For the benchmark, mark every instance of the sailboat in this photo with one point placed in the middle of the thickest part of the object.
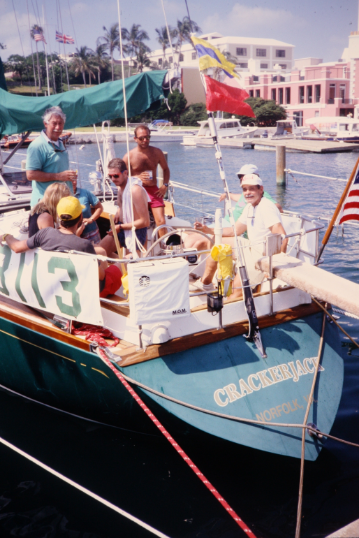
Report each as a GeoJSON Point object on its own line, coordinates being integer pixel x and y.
{"type": "Point", "coordinates": [196, 365]}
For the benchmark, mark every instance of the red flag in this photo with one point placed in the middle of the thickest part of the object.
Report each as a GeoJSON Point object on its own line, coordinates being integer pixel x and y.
{"type": "Point", "coordinates": [219, 96]}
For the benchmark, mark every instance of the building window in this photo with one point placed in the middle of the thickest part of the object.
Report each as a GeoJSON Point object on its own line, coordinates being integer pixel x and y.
{"type": "Point", "coordinates": [264, 66]}
{"type": "Point", "coordinates": [309, 94]}
{"type": "Point", "coordinates": [244, 65]}
{"type": "Point", "coordinates": [181, 58]}
{"type": "Point", "coordinates": [170, 59]}
{"type": "Point", "coordinates": [287, 96]}
{"type": "Point", "coordinates": [241, 51]}
{"type": "Point", "coordinates": [250, 93]}
{"type": "Point", "coordinates": [342, 92]}
{"type": "Point", "coordinates": [280, 96]}
{"type": "Point", "coordinates": [317, 93]}
{"type": "Point", "coordinates": [316, 114]}
{"type": "Point", "coordinates": [159, 61]}
{"type": "Point", "coordinates": [283, 66]}
{"type": "Point", "coordinates": [261, 52]}
{"type": "Point", "coordinates": [258, 93]}
{"type": "Point", "coordinates": [280, 53]}
{"type": "Point", "coordinates": [298, 117]}
{"type": "Point", "coordinates": [274, 94]}
{"type": "Point", "coordinates": [194, 55]}
{"type": "Point", "coordinates": [332, 92]}
{"type": "Point", "coordinates": [301, 94]}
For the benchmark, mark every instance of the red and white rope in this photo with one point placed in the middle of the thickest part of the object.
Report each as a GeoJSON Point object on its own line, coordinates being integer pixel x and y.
{"type": "Point", "coordinates": [176, 446]}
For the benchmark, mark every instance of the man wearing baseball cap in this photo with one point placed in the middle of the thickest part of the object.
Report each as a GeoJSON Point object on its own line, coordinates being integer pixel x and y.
{"type": "Point", "coordinates": [69, 211]}
{"type": "Point", "coordinates": [260, 218]}
{"type": "Point", "coordinates": [239, 198]}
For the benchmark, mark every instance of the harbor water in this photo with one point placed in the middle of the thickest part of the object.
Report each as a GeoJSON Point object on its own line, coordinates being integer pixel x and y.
{"type": "Point", "coordinates": [142, 474]}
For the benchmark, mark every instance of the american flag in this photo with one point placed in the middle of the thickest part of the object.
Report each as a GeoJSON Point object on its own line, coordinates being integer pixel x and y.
{"type": "Point", "coordinates": [62, 38]}
{"type": "Point", "coordinates": [350, 208]}
{"type": "Point", "coordinates": [39, 37]}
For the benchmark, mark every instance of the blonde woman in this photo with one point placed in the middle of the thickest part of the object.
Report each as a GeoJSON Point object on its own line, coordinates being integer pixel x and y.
{"type": "Point", "coordinates": [43, 214]}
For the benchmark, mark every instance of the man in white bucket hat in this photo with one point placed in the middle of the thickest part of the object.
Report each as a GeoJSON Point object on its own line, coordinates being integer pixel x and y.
{"type": "Point", "coordinates": [259, 219]}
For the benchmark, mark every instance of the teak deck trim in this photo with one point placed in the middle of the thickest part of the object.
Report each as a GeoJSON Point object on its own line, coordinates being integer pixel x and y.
{"type": "Point", "coordinates": [132, 355]}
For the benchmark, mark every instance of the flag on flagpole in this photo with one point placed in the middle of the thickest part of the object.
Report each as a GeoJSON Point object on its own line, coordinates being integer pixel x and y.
{"type": "Point", "coordinates": [63, 38]}
{"type": "Point", "coordinates": [219, 96]}
{"type": "Point", "coordinates": [350, 207]}
{"type": "Point", "coordinates": [209, 56]}
{"type": "Point", "coordinates": [38, 36]}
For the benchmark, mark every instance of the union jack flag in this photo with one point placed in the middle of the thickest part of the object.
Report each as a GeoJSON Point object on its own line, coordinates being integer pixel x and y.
{"type": "Point", "coordinates": [350, 208]}
{"type": "Point", "coordinates": [38, 36]}
{"type": "Point", "coordinates": [62, 38]}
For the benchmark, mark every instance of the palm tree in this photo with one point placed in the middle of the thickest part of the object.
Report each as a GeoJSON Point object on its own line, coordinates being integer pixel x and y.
{"type": "Point", "coordinates": [185, 28]}
{"type": "Point", "coordinates": [36, 29]}
{"type": "Point", "coordinates": [135, 38]}
{"type": "Point", "coordinates": [82, 63]}
{"type": "Point", "coordinates": [163, 38]}
{"type": "Point", "coordinates": [18, 64]}
{"type": "Point", "coordinates": [142, 60]}
{"type": "Point", "coordinates": [111, 40]}
{"type": "Point", "coordinates": [100, 59]}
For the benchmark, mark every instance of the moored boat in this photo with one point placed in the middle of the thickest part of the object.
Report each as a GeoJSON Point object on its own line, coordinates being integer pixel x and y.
{"type": "Point", "coordinates": [226, 128]}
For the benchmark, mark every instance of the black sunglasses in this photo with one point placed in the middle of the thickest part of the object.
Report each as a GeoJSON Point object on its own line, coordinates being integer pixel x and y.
{"type": "Point", "coordinates": [57, 150]}
{"type": "Point", "coordinates": [114, 176]}
{"type": "Point", "coordinates": [142, 138]}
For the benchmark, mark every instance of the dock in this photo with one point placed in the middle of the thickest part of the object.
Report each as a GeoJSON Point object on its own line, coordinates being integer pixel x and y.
{"type": "Point", "coordinates": [291, 144]}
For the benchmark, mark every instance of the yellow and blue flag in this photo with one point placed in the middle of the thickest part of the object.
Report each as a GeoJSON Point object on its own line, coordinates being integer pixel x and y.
{"type": "Point", "coordinates": [209, 56]}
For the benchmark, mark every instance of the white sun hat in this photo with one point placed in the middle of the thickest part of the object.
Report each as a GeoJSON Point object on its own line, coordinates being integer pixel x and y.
{"type": "Point", "coordinates": [248, 169]}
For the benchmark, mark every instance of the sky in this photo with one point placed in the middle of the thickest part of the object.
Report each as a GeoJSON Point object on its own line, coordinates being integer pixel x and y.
{"type": "Point", "coordinates": [317, 28]}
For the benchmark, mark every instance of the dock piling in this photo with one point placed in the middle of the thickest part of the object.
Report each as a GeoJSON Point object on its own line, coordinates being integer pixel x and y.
{"type": "Point", "coordinates": [280, 165]}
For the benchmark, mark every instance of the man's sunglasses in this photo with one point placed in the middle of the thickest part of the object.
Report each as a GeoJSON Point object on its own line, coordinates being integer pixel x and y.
{"type": "Point", "coordinates": [57, 150]}
{"type": "Point", "coordinates": [114, 176]}
{"type": "Point", "coordinates": [142, 138]}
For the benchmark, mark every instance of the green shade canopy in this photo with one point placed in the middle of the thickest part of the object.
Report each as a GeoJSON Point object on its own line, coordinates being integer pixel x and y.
{"type": "Point", "coordinates": [2, 77]}
{"type": "Point", "coordinates": [82, 107]}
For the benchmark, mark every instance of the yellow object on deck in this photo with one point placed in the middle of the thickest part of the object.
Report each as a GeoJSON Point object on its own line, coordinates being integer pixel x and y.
{"type": "Point", "coordinates": [223, 255]}
{"type": "Point", "coordinates": [125, 285]}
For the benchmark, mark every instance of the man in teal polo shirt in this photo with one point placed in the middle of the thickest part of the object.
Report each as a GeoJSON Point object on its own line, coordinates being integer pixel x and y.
{"type": "Point", "coordinates": [47, 159]}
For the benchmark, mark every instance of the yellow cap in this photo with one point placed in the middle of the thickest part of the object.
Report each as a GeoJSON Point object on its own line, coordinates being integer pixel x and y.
{"type": "Point", "coordinates": [69, 208]}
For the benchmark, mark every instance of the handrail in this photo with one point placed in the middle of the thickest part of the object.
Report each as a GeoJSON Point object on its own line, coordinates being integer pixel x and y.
{"type": "Point", "coordinates": [313, 175]}
{"type": "Point", "coordinates": [192, 189]}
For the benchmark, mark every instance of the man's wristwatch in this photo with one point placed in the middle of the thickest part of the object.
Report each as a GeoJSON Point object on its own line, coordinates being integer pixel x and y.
{"type": "Point", "coordinates": [4, 236]}
{"type": "Point", "coordinates": [166, 185]}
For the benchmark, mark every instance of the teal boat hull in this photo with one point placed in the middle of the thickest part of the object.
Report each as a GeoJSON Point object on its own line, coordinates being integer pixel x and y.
{"type": "Point", "coordinates": [227, 377]}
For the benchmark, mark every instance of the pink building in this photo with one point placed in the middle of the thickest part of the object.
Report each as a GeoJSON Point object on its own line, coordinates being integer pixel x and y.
{"type": "Point", "coordinates": [313, 88]}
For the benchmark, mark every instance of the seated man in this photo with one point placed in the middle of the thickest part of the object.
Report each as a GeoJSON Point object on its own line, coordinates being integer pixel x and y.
{"type": "Point", "coordinates": [239, 198]}
{"type": "Point", "coordinates": [69, 211]}
{"type": "Point", "coordinates": [260, 218]}
{"type": "Point", "coordinates": [117, 172]}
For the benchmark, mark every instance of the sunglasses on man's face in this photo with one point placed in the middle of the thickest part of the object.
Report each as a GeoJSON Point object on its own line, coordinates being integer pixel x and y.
{"type": "Point", "coordinates": [142, 138]}
{"type": "Point", "coordinates": [114, 176]}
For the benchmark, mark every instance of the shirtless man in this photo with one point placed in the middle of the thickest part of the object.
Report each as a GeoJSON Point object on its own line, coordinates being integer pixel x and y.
{"type": "Point", "coordinates": [117, 172]}
{"type": "Point", "coordinates": [143, 159]}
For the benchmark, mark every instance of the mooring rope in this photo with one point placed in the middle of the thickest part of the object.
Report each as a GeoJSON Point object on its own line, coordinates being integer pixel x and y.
{"type": "Point", "coordinates": [84, 490]}
{"type": "Point", "coordinates": [338, 311]}
{"type": "Point", "coordinates": [176, 446]}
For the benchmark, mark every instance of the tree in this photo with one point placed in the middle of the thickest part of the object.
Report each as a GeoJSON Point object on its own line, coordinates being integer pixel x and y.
{"type": "Point", "coordinates": [18, 65]}
{"type": "Point", "coordinates": [142, 60]}
{"type": "Point", "coordinates": [177, 103]}
{"type": "Point", "coordinates": [100, 60]}
{"type": "Point", "coordinates": [82, 63]}
{"type": "Point", "coordinates": [185, 28]}
{"type": "Point", "coordinates": [135, 39]}
{"type": "Point", "coordinates": [266, 110]}
{"type": "Point", "coordinates": [193, 114]}
{"type": "Point", "coordinates": [163, 38]}
{"type": "Point", "coordinates": [111, 40]}
{"type": "Point", "coordinates": [36, 29]}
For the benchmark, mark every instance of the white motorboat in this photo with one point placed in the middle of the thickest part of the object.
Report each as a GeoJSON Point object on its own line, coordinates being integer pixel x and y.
{"type": "Point", "coordinates": [288, 129]}
{"type": "Point", "coordinates": [336, 128]}
{"type": "Point", "coordinates": [226, 128]}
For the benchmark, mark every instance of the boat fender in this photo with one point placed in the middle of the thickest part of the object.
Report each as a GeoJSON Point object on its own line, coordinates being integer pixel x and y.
{"type": "Point", "coordinates": [160, 334]}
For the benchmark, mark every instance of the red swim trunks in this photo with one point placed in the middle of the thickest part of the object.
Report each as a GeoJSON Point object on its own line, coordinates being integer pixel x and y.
{"type": "Point", "coordinates": [155, 201]}
{"type": "Point", "coordinates": [113, 278]}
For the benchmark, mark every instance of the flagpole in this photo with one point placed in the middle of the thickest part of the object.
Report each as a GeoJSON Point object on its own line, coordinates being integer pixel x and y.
{"type": "Point", "coordinates": [337, 210]}
{"type": "Point", "coordinates": [47, 65]}
{"type": "Point", "coordinates": [253, 328]}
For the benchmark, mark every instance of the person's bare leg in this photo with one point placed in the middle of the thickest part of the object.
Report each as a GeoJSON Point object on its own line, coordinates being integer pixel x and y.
{"type": "Point", "coordinates": [108, 243]}
{"type": "Point", "coordinates": [100, 251]}
{"type": "Point", "coordinates": [159, 216]}
{"type": "Point", "coordinates": [236, 293]}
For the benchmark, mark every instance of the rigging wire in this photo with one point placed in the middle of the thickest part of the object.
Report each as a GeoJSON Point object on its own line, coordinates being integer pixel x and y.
{"type": "Point", "coordinates": [22, 47]}
{"type": "Point", "coordinates": [72, 22]}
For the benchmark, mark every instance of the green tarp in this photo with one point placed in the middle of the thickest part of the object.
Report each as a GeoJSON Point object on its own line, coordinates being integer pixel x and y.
{"type": "Point", "coordinates": [82, 107]}
{"type": "Point", "coordinates": [2, 77]}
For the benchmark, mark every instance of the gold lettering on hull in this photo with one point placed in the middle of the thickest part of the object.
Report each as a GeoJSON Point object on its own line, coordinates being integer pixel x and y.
{"type": "Point", "coordinates": [275, 412]}
{"type": "Point", "coordinates": [265, 378]}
